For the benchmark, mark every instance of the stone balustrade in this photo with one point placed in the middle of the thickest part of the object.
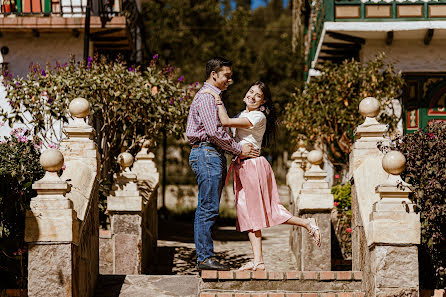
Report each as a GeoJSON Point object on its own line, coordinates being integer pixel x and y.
{"type": "Point", "coordinates": [132, 207]}
{"type": "Point", "coordinates": [385, 227]}
{"type": "Point", "coordinates": [314, 200]}
{"type": "Point", "coordinates": [61, 227]}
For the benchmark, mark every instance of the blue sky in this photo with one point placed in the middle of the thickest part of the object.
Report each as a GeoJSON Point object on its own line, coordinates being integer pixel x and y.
{"type": "Point", "coordinates": [257, 3]}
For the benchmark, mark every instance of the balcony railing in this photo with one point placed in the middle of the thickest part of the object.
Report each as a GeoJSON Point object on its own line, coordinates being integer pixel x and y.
{"type": "Point", "coordinates": [385, 10]}
{"type": "Point", "coordinates": [66, 8]}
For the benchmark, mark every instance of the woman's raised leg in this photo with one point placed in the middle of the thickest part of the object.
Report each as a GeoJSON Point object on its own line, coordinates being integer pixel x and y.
{"type": "Point", "coordinates": [309, 224]}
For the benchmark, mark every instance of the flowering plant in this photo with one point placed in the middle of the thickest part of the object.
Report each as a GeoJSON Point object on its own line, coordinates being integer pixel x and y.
{"type": "Point", "coordinates": [19, 168]}
{"type": "Point", "coordinates": [342, 201]}
{"type": "Point", "coordinates": [128, 104]}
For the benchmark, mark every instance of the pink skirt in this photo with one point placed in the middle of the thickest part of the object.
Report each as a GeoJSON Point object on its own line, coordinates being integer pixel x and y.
{"type": "Point", "coordinates": [256, 197]}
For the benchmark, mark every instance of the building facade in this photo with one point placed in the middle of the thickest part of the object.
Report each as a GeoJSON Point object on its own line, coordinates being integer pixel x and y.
{"type": "Point", "coordinates": [412, 34]}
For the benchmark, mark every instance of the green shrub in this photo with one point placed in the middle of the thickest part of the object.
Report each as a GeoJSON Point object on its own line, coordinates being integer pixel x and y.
{"type": "Point", "coordinates": [128, 105]}
{"type": "Point", "coordinates": [19, 168]}
{"type": "Point", "coordinates": [343, 202]}
{"type": "Point", "coordinates": [426, 172]}
{"type": "Point", "coordinates": [326, 109]}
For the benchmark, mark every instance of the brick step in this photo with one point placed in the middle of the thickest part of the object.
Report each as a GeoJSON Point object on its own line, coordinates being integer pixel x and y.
{"type": "Point", "coordinates": [290, 281]}
{"type": "Point", "coordinates": [281, 294]}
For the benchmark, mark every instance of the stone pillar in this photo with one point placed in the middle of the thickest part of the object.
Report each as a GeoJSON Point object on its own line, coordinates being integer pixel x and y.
{"type": "Point", "coordinates": [394, 232]}
{"type": "Point", "coordinates": [148, 181]}
{"type": "Point", "coordinates": [51, 231]}
{"type": "Point", "coordinates": [315, 200]}
{"type": "Point", "coordinates": [82, 162]}
{"type": "Point", "coordinates": [367, 135]}
{"type": "Point", "coordinates": [295, 176]}
{"type": "Point", "coordinates": [125, 207]}
{"type": "Point", "coordinates": [295, 179]}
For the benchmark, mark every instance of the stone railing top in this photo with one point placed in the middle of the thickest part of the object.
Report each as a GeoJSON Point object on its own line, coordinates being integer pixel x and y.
{"type": "Point", "coordinates": [144, 153]}
{"type": "Point", "coordinates": [79, 109]}
{"type": "Point", "coordinates": [79, 130]}
{"type": "Point", "coordinates": [371, 129]}
{"type": "Point", "coordinates": [394, 164]}
{"type": "Point", "coordinates": [51, 160]}
{"type": "Point", "coordinates": [315, 173]}
{"type": "Point", "coordinates": [369, 108]}
{"type": "Point", "coordinates": [51, 186]}
{"type": "Point", "coordinates": [125, 160]}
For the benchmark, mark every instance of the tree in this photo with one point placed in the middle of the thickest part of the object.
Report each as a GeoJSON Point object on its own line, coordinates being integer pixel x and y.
{"type": "Point", "coordinates": [326, 109]}
{"type": "Point", "coordinates": [257, 41]}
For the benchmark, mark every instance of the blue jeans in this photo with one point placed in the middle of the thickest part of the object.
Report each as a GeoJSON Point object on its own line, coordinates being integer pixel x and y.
{"type": "Point", "coordinates": [209, 166]}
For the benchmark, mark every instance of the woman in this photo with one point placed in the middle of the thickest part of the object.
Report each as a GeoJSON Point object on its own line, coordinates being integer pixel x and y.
{"type": "Point", "coordinates": [257, 199]}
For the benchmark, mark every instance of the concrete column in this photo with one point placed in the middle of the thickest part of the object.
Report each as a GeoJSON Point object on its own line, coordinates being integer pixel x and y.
{"type": "Point", "coordinates": [148, 181]}
{"type": "Point", "coordinates": [315, 200]}
{"type": "Point", "coordinates": [295, 176]}
{"type": "Point", "coordinates": [125, 207]}
{"type": "Point", "coordinates": [294, 179]}
{"type": "Point", "coordinates": [51, 231]}
{"type": "Point", "coordinates": [394, 232]}
{"type": "Point", "coordinates": [363, 160]}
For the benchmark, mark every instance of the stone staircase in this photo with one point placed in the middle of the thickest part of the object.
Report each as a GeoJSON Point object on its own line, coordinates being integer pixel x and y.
{"type": "Point", "coordinates": [234, 284]}
{"type": "Point", "coordinates": [281, 284]}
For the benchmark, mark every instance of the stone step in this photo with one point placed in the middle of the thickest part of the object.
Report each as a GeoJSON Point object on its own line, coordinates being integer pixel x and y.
{"type": "Point", "coordinates": [147, 286]}
{"type": "Point", "coordinates": [281, 294]}
{"type": "Point", "coordinates": [316, 282]}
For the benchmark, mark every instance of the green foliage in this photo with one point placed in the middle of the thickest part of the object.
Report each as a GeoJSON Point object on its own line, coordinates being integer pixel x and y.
{"type": "Point", "coordinates": [19, 168]}
{"type": "Point", "coordinates": [187, 33]}
{"type": "Point", "coordinates": [343, 202]}
{"type": "Point", "coordinates": [127, 104]}
{"type": "Point", "coordinates": [426, 172]}
{"type": "Point", "coordinates": [327, 108]}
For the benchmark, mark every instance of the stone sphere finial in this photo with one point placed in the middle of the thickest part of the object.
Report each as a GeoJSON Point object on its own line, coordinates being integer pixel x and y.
{"type": "Point", "coordinates": [147, 143]}
{"type": "Point", "coordinates": [369, 107]}
{"type": "Point", "coordinates": [125, 160]}
{"type": "Point", "coordinates": [79, 108]}
{"type": "Point", "coordinates": [394, 162]}
{"type": "Point", "coordinates": [315, 157]}
{"type": "Point", "coordinates": [51, 160]}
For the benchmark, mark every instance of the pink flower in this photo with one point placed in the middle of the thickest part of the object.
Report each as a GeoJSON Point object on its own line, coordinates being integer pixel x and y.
{"type": "Point", "coordinates": [336, 203]}
{"type": "Point", "coordinates": [337, 176]}
{"type": "Point", "coordinates": [52, 145]}
{"type": "Point", "coordinates": [349, 230]}
{"type": "Point", "coordinates": [64, 166]}
{"type": "Point", "coordinates": [2, 124]}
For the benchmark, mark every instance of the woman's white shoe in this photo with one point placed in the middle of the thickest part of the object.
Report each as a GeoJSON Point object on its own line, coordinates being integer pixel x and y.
{"type": "Point", "coordinates": [314, 231]}
{"type": "Point", "coordinates": [253, 266]}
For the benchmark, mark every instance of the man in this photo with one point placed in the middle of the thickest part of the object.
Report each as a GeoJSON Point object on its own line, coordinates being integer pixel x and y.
{"type": "Point", "coordinates": [209, 141]}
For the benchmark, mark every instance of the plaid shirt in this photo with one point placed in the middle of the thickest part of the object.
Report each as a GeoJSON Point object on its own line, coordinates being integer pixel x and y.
{"type": "Point", "coordinates": [203, 123]}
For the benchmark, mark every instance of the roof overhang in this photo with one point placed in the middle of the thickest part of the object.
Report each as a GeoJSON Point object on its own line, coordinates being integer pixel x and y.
{"type": "Point", "coordinates": [361, 31]}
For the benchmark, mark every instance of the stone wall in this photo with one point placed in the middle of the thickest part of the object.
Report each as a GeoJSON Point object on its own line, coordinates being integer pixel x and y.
{"type": "Point", "coordinates": [62, 224]}
{"type": "Point", "coordinates": [385, 228]}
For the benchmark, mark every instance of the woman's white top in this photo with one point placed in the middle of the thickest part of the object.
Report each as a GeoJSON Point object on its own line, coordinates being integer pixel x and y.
{"type": "Point", "coordinates": [255, 133]}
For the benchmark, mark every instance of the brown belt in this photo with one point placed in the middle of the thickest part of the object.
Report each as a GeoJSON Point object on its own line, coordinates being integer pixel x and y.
{"type": "Point", "coordinates": [197, 145]}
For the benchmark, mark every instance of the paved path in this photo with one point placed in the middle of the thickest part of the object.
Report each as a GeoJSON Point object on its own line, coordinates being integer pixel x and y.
{"type": "Point", "coordinates": [177, 250]}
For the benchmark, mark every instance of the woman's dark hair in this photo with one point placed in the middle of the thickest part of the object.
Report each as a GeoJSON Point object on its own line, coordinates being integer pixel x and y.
{"type": "Point", "coordinates": [270, 112]}
{"type": "Point", "coordinates": [215, 64]}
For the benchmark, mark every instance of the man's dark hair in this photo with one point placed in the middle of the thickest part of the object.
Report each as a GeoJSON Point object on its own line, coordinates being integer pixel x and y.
{"type": "Point", "coordinates": [215, 64]}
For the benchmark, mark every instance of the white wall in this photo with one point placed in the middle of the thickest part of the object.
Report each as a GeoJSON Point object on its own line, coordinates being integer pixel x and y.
{"type": "Point", "coordinates": [25, 48]}
{"type": "Point", "coordinates": [409, 55]}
